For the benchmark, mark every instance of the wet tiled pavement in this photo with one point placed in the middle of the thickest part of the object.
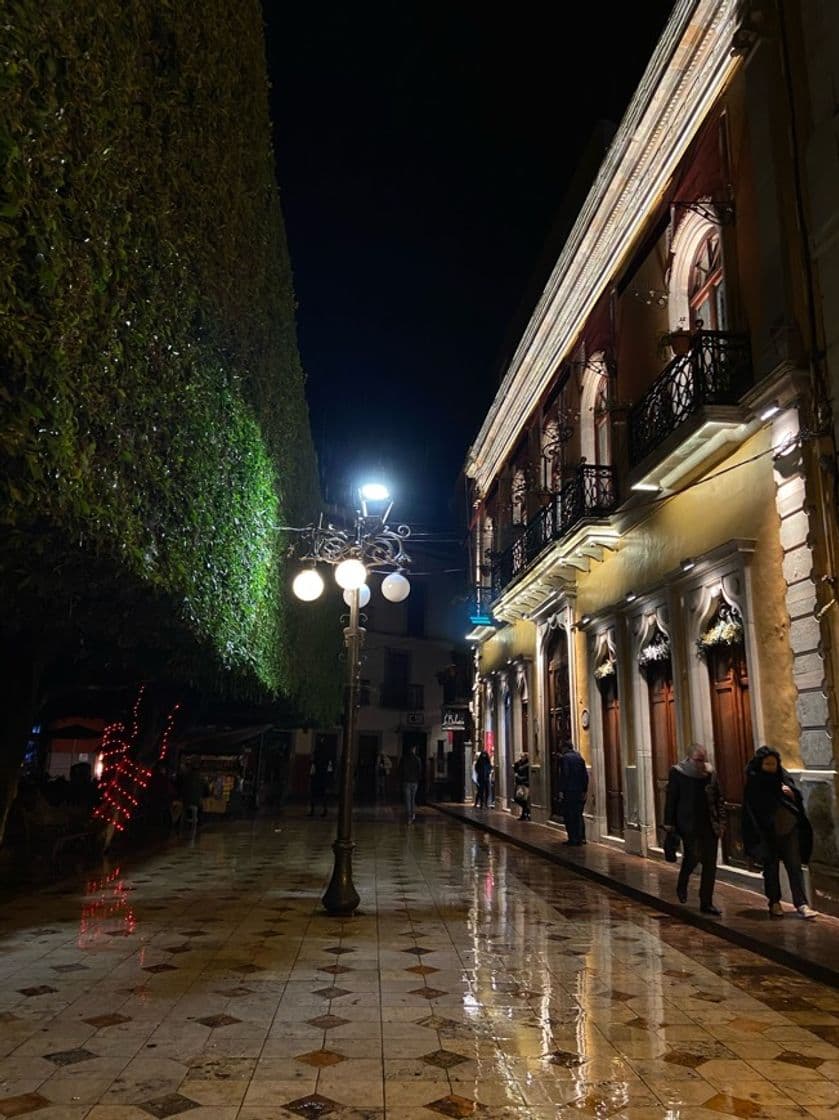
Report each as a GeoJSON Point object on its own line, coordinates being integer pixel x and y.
{"type": "Point", "coordinates": [809, 947]}
{"type": "Point", "coordinates": [479, 979]}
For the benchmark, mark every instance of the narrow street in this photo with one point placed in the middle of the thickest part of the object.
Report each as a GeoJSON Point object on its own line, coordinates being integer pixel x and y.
{"type": "Point", "coordinates": [477, 978]}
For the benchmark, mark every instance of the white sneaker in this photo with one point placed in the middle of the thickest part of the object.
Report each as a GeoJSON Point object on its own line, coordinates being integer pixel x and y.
{"type": "Point", "coordinates": [807, 912]}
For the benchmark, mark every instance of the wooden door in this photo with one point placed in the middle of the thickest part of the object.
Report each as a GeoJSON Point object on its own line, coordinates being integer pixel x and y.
{"type": "Point", "coordinates": [662, 730]}
{"type": "Point", "coordinates": [733, 744]}
{"type": "Point", "coordinates": [612, 755]}
{"type": "Point", "coordinates": [559, 709]}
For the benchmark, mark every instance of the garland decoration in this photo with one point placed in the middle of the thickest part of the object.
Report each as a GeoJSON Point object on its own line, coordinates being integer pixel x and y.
{"type": "Point", "coordinates": [725, 630]}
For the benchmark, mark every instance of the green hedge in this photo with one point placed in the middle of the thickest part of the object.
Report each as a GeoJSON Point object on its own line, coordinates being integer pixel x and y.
{"type": "Point", "coordinates": [154, 427]}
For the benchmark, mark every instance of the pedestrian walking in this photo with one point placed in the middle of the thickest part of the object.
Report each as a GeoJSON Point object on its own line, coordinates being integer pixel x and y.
{"type": "Point", "coordinates": [776, 830]}
{"type": "Point", "coordinates": [194, 789]}
{"type": "Point", "coordinates": [483, 771]}
{"type": "Point", "coordinates": [695, 810]}
{"type": "Point", "coordinates": [383, 768]}
{"type": "Point", "coordinates": [521, 774]}
{"type": "Point", "coordinates": [573, 785]}
{"type": "Point", "coordinates": [320, 778]}
{"type": "Point", "coordinates": [410, 772]}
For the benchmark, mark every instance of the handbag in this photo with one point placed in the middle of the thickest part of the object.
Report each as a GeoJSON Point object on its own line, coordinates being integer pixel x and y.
{"type": "Point", "coordinates": [671, 845]}
{"type": "Point", "coordinates": [522, 794]}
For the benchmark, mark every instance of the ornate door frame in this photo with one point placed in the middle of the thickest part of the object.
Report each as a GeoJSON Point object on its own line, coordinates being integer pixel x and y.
{"type": "Point", "coordinates": [725, 573]}
{"type": "Point", "coordinates": [604, 640]}
{"type": "Point", "coordinates": [650, 612]}
{"type": "Point", "coordinates": [561, 616]}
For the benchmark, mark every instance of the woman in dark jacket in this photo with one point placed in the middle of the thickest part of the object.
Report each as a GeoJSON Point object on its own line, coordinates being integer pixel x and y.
{"type": "Point", "coordinates": [776, 829]}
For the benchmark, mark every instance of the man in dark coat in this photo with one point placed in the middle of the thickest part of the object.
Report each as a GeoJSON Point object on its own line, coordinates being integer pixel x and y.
{"type": "Point", "coordinates": [483, 770]}
{"type": "Point", "coordinates": [573, 785]}
{"type": "Point", "coordinates": [775, 829]}
{"type": "Point", "coordinates": [695, 809]}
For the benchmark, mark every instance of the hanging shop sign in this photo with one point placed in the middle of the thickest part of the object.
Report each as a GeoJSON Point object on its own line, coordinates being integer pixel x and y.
{"type": "Point", "coordinates": [454, 719]}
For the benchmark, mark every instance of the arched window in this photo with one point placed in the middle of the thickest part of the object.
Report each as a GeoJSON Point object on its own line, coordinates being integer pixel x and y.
{"type": "Point", "coordinates": [551, 454]}
{"type": "Point", "coordinates": [696, 284]}
{"type": "Point", "coordinates": [602, 441]}
{"type": "Point", "coordinates": [485, 551]}
{"type": "Point", "coordinates": [519, 497]}
{"type": "Point", "coordinates": [706, 286]}
{"type": "Point", "coordinates": [595, 439]}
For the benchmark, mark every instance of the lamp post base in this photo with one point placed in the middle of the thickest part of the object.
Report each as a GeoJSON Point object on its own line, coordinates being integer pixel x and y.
{"type": "Point", "coordinates": [341, 897]}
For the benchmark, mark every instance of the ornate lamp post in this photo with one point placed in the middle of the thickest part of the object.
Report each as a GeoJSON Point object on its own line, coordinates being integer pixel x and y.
{"type": "Point", "coordinates": [371, 545]}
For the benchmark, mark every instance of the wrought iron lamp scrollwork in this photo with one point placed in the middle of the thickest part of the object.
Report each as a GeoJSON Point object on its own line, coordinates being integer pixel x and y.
{"type": "Point", "coordinates": [718, 211]}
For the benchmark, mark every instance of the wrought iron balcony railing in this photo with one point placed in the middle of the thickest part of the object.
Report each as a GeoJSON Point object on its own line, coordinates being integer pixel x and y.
{"type": "Point", "coordinates": [590, 493]}
{"type": "Point", "coordinates": [716, 369]}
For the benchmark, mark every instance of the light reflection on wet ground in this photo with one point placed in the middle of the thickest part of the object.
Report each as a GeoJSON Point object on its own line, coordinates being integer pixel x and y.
{"type": "Point", "coordinates": [478, 980]}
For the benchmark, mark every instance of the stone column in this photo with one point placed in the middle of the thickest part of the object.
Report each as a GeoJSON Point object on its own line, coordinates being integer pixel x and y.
{"type": "Point", "coordinates": [817, 777]}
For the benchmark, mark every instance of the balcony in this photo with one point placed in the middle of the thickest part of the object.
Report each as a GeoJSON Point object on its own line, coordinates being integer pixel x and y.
{"type": "Point", "coordinates": [690, 410]}
{"type": "Point", "coordinates": [590, 493]}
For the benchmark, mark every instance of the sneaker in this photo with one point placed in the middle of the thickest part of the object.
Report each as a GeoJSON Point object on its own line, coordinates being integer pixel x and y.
{"type": "Point", "coordinates": [776, 910]}
{"type": "Point", "coordinates": [807, 912]}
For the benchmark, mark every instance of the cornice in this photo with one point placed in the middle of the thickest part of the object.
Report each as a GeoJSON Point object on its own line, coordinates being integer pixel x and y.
{"type": "Point", "coordinates": [691, 65]}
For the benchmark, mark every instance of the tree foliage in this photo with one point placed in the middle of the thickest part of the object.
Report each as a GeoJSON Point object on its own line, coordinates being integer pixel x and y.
{"type": "Point", "coordinates": [153, 425]}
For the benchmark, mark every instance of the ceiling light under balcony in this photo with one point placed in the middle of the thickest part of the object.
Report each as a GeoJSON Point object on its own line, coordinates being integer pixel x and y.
{"type": "Point", "coordinates": [770, 410]}
{"type": "Point", "coordinates": [646, 487]}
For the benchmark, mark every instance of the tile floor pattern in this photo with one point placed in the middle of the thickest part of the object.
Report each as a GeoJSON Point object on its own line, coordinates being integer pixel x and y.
{"type": "Point", "coordinates": [479, 980]}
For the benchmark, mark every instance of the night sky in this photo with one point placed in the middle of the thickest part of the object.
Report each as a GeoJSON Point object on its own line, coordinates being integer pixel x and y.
{"type": "Point", "coordinates": [423, 152]}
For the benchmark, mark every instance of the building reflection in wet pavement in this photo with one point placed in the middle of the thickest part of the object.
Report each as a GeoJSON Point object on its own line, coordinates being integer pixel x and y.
{"type": "Point", "coordinates": [478, 979]}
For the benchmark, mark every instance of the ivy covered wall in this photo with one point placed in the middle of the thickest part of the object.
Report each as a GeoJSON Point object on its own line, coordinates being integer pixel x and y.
{"type": "Point", "coordinates": [153, 425]}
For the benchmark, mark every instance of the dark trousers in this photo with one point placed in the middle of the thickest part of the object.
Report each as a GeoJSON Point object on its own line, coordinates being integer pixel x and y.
{"type": "Point", "coordinates": [700, 848]}
{"type": "Point", "coordinates": [785, 849]}
{"type": "Point", "coordinates": [572, 813]}
{"type": "Point", "coordinates": [483, 792]}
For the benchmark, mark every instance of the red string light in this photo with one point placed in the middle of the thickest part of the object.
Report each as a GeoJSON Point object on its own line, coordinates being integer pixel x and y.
{"type": "Point", "coordinates": [167, 733]}
{"type": "Point", "coordinates": [122, 777]}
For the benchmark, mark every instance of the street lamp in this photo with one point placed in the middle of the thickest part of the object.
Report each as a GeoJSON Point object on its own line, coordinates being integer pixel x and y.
{"type": "Point", "coordinates": [371, 545]}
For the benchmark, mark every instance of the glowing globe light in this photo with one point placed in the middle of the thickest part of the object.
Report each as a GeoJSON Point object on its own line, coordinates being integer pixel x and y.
{"type": "Point", "coordinates": [350, 574]}
{"type": "Point", "coordinates": [395, 587]}
{"type": "Point", "coordinates": [307, 585]}
{"type": "Point", "coordinates": [375, 492]}
{"type": "Point", "coordinates": [363, 596]}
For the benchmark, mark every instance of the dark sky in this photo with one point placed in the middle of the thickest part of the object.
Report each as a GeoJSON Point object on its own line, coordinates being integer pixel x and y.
{"type": "Point", "coordinates": [423, 152]}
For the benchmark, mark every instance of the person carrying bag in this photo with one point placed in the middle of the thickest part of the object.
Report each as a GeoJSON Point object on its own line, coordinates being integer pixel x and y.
{"type": "Point", "coordinates": [521, 772]}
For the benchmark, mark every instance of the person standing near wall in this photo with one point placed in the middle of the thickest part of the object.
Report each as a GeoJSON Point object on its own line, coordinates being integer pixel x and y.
{"type": "Point", "coordinates": [573, 785]}
{"type": "Point", "coordinates": [483, 770]}
{"type": "Point", "coordinates": [521, 773]}
{"type": "Point", "coordinates": [410, 772]}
